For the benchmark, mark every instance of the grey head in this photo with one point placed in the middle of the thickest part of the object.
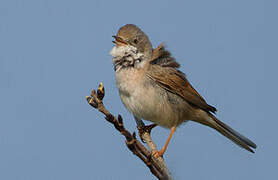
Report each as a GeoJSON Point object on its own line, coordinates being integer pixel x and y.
{"type": "Point", "coordinates": [132, 47]}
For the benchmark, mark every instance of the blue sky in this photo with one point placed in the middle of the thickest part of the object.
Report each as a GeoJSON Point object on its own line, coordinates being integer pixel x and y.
{"type": "Point", "coordinates": [52, 53]}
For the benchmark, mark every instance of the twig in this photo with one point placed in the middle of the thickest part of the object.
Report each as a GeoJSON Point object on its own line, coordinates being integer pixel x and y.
{"type": "Point", "coordinates": [157, 166]}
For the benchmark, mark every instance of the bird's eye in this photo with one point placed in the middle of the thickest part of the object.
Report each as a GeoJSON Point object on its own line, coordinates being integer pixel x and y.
{"type": "Point", "coordinates": [135, 41]}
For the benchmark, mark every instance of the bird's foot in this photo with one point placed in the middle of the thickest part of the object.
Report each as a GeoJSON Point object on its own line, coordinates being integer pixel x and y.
{"type": "Point", "coordinates": [157, 153]}
{"type": "Point", "coordinates": [146, 129]}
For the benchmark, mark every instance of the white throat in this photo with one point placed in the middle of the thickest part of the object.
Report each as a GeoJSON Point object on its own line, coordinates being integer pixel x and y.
{"type": "Point", "coordinates": [124, 51]}
{"type": "Point", "coordinates": [124, 56]}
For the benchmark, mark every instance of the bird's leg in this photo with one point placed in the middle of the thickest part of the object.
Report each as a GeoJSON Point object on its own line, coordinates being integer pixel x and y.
{"type": "Point", "coordinates": [162, 151]}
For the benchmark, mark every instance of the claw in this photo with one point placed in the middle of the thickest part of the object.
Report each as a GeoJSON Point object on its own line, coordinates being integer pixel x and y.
{"type": "Point", "coordinates": [144, 129]}
{"type": "Point", "coordinates": [157, 154]}
{"type": "Point", "coordinates": [149, 128]}
{"type": "Point", "coordinates": [141, 132]}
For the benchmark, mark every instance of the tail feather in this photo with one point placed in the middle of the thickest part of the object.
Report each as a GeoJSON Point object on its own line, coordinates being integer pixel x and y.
{"type": "Point", "coordinates": [232, 134]}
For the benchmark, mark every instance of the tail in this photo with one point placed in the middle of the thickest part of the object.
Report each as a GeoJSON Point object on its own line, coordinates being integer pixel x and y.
{"type": "Point", "coordinates": [230, 133]}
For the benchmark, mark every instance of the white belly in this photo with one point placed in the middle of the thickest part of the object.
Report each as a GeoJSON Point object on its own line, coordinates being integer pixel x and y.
{"type": "Point", "coordinates": [145, 101]}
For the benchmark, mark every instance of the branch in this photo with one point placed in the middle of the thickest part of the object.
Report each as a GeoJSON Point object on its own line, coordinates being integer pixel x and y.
{"type": "Point", "coordinates": [157, 166]}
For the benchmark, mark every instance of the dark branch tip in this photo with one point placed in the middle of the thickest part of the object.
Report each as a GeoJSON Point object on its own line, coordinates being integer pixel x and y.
{"type": "Point", "coordinates": [91, 101]}
{"type": "Point", "coordinates": [120, 119]}
{"type": "Point", "coordinates": [93, 93]}
{"type": "Point", "coordinates": [100, 91]}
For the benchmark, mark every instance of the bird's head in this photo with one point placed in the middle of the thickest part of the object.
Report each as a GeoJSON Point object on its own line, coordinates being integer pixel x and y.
{"type": "Point", "coordinates": [132, 46]}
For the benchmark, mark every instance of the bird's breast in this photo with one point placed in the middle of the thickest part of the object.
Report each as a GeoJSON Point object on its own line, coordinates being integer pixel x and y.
{"type": "Point", "coordinates": [127, 79]}
{"type": "Point", "coordinates": [147, 100]}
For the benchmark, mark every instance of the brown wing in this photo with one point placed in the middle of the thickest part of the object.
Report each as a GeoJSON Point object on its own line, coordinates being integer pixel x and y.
{"type": "Point", "coordinates": [175, 81]}
{"type": "Point", "coordinates": [162, 57]}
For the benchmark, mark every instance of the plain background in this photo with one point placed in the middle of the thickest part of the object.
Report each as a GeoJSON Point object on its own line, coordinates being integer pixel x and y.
{"type": "Point", "coordinates": [53, 52]}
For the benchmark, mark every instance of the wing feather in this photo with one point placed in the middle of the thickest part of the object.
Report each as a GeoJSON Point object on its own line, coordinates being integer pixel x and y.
{"type": "Point", "coordinates": [162, 57]}
{"type": "Point", "coordinates": [175, 81]}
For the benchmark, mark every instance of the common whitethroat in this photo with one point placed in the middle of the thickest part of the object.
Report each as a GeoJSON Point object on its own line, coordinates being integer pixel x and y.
{"type": "Point", "coordinates": [152, 88]}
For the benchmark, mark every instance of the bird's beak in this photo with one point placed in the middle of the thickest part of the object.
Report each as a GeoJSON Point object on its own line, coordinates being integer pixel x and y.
{"type": "Point", "coordinates": [119, 41]}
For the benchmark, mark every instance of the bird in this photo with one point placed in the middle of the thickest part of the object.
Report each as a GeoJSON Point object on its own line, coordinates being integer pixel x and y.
{"type": "Point", "coordinates": [152, 88]}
